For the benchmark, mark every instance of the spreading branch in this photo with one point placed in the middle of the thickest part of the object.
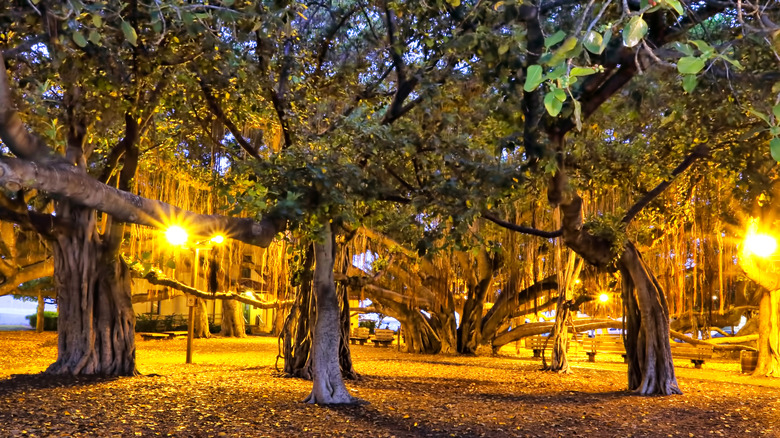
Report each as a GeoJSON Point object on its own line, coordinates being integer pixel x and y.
{"type": "Point", "coordinates": [699, 151]}
{"type": "Point", "coordinates": [522, 229]}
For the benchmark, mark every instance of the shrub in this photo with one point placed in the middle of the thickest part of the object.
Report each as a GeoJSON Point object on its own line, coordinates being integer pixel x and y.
{"type": "Point", "coordinates": [145, 322]}
{"type": "Point", "coordinates": [49, 320]}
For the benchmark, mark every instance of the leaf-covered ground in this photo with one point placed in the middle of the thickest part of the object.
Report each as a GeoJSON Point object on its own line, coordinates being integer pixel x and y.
{"type": "Point", "coordinates": [233, 389]}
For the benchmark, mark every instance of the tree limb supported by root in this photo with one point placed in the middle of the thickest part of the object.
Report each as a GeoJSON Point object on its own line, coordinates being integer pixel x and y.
{"type": "Point", "coordinates": [717, 342]}
{"type": "Point", "coordinates": [161, 280]}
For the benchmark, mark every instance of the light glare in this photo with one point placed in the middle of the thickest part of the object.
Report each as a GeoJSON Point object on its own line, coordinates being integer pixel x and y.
{"type": "Point", "coordinates": [218, 239]}
{"type": "Point", "coordinates": [762, 245]}
{"type": "Point", "coordinates": [176, 235]}
{"type": "Point", "coordinates": [603, 298]}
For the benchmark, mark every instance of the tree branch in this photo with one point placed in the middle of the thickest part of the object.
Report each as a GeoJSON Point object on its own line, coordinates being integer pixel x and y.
{"type": "Point", "coordinates": [699, 151]}
{"type": "Point", "coordinates": [127, 207]}
{"type": "Point", "coordinates": [522, 229]}
{"type": "Point", "coordinates": [161, 280]}
{"type": "Point", "coordinates": [216, 109]}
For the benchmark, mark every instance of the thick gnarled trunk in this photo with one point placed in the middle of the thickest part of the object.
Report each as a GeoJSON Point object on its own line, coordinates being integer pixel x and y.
{"type": "Point", "coordinates": [327, 383]}
{"type": "Point", "coordinates": [470, 328]}
{"type": "Point", "coordinates": [649, 354]}
{"type": "Point", "coordinates": [232, 320]}
{"type": "Point", "coordinates": [96, 321]}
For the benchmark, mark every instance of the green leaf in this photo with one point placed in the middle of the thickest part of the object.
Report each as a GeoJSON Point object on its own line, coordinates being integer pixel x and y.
{"type": "Point", "coordinates": [689, 65]}
{"type": "Point", "coordinates": [592, 42]}
{"type": "Point", "coordinates": [533, 78]}
{"type": "Point", "coordinates": [776, 111]}
{"type": "Point", "coordinates": [552, 105]}
{"type": "Point", "coordinates": [94, 37]}
{"type": "Point", "coordinates": [146, 255]}
{"type": "Point", "coordinates": [705, 48]}
{"type": "Point", "coordinates": [675, 4]}
{"type": "Point", "coordinates": [689, 83]}
{"type": "Point", "coordinates": [582, 71]}
{"type": "Point", "coordinates": [454, 3]}
{"type": "Point", "coordinates": [634, 31]}
{"type": "Point", "coordinates": [79, 39]}
{"type": "Point", "coordinates": [557, 72]}
{"type": "Point", "coordinates": [171, 263]}
{"type": "Point", "coordinates": [129, 32]}
{"type": "Point", "coordinates": [503, 49]}
{"type": "Point", "coordinates": [683, 48]}
{"type": "Point", "coordinates": [760, 115]}
{"type": "Point", "coordinates": [554, 39]}
{"type": "Point", "coordinates": [97, 20]}
{"type": "Point", "coordinates": [607, 37]}
{"type": "Point", "coordinates": [774, 148]}
{"type": "Point", "coordinates": [559, 94]}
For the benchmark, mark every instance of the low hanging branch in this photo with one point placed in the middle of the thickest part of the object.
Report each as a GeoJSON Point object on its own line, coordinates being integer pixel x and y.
{"type": "Point", "coordinates": [159, 279]}
{"type": "Point", "coordinates": [715, 342]}
{"type": "Point", "coordinates": [84, 190]}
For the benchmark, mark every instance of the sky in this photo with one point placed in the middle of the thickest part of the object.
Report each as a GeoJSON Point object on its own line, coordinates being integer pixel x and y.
{"type": "Point", "coordinates": [13, 312]}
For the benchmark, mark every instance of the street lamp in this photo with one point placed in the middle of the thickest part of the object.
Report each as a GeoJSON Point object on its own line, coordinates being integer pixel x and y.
{"type": "Point", "coordinates": [176, 235]}
{"type": "Point", "coordinates": [762, 245]}
{"type": "Point", "coordinates": [603, 297]}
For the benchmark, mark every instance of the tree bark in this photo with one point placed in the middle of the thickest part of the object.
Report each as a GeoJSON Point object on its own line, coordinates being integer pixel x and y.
{"type": "Point", "coordinates": [39, 315]}
{"type": "Point", "coordinates": [232, 320]}
{"type": "Point", "coordinates": [649, 354]}
{"type": "Point", "coordinates": [768, 335]}
{"type": "Point", "coordinates": [327, 383]}
{"type": "Point", "coordinates": [470, 328]}
{"type": "Point", "coordinates": [201, 320]}
{"type": "Point", "coordinates": [96, 319]}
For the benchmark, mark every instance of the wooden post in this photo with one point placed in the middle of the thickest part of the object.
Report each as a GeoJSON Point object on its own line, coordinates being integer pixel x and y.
{"type": "Point", "coordinates": [191, 302]}
{"type": "Point", "coordinates": [39, 317]}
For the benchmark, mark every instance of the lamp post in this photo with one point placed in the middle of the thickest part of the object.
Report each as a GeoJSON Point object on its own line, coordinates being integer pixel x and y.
{"type": "Point", "coordinates": [177, 236]}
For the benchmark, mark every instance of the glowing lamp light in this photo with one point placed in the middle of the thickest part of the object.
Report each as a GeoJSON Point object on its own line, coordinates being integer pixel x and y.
{"type": "Point", "coordinates": [176, 235]}
{"type": "Point", "coordinates": [762, 245]}
{"type": "Point", "coordinates": [218, 239]}
{"type": "Point", "coordinates": [577, 281]}
{"type": "Point", "coordinates": [603, 298]}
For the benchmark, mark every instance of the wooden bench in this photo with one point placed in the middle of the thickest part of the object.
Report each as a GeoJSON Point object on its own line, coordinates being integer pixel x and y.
{"type": "Point", "coordinates": [603, 344]}
{"type": "Point", "coordinates": [383, 337]}
{"type": "Point", "coordinates": [176, 334]}
{"type": "Point", "coordinates": [359, 334]}
{"type": "Point", "coordinates": [149, 336]}
{"type": "Point", "coordinates": [539, 343]}
{"type": "Point", "coordinates": [696, 353]}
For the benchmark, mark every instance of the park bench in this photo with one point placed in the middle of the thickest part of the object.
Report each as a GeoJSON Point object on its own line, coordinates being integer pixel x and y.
{"type": "Point", "coordinates": [149, 336]}
{"type": "Point", "coordinates": [359, 334]}
{"type": "Point", "coordinates": [603, 344]}
{"type": "Point", "coordinates": [383, 337]}
{"type": "Point", "coordinates": [539, 343]}
{"type": "Point", "coordinates": [696, 353]}
{"type": "Point", "coordinates": [176, 334]}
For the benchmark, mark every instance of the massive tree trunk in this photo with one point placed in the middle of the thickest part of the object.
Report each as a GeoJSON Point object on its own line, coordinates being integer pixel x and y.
{"type": "Point", "coordinates": [96, 321]}
{"type": "Point", "coordinates": [769, 335]}
{"type": "Point", "coordinates": [649, 354]}
{"type": "Point", "coordinates": [470, 329]}
{"type": "Point", "coordinates": [763, 272]}
{"type": "Point", "coordinates": [232, 320]}
{"type": "Point", "coordinates": [328, 384]}
{"type": "Point", "coordinates": [297, 333]}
